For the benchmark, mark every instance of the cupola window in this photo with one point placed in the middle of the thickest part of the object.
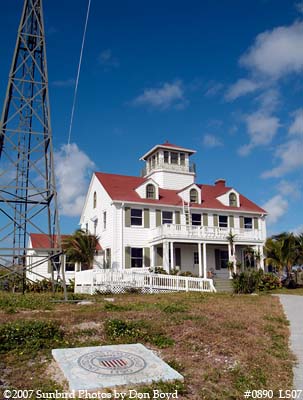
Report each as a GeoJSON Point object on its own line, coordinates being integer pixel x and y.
{"type": "Point", "coordinates": [193, 196]}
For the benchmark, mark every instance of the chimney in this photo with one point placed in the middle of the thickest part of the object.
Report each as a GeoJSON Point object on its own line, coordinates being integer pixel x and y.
{"type": "Point", "coordinates": [220, 183]}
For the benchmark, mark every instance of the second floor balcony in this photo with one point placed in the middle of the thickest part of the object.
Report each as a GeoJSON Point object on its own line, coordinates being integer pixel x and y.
{"type": "Point", "coordinates": [173, 231]}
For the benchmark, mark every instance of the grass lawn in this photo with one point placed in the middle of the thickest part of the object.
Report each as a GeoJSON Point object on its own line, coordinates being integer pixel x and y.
{"type": "Point", "coordinates": [222, 344]}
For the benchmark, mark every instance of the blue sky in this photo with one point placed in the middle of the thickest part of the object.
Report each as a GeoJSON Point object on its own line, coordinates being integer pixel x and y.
{"type": "Point", "coordinates": [224, 78]}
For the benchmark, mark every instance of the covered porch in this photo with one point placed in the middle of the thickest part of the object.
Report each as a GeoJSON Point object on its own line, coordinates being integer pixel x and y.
{"type": "Point", "coordinates": [206, 259]}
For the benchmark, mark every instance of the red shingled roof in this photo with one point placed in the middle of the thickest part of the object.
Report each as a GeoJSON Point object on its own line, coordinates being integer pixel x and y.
{"type": "Point", "coordinates": [41, 241]}
{"type": "Point", "coordinates": [122, 187]}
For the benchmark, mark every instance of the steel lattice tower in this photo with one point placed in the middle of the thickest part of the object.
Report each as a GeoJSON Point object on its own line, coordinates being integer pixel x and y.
{"type": "Point", "coordinates": [28, 197]}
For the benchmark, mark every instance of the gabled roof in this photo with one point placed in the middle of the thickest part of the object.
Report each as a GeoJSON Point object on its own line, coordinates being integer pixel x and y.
{"type": "Point", "coordinates": [42, 241]}
{"type": "Point", "coordinates": [123, 188]}
{"type": "Point", "coordinates": [168, 146]}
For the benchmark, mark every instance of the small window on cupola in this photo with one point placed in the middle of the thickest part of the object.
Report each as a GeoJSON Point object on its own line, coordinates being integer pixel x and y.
{"type": "Point", "coordinates": [233, 200]}
{"type": "Point", "coordinates": [150, 191]}
{"type": "Point", "coordinates": [193, 196]}
{"type": "Point", "coordinates": [95, 200]}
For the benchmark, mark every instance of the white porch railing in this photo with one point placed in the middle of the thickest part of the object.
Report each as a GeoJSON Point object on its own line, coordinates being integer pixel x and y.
{"type": "Point", "coordinates": [203, 232]}
{"type": "Point", "coordinates": [91, 280]}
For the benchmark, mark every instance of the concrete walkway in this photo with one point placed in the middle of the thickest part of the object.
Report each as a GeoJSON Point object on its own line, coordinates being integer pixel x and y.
{"type": "Point", "coordinates": [293, 308]}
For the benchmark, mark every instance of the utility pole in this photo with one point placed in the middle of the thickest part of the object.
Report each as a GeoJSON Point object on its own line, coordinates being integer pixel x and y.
{"type": "Point", "coordinates": [28, 196]}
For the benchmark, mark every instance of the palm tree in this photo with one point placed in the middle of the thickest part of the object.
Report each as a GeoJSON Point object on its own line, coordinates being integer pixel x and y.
{"type": "Point", "coordinates": [283, 251]}
{"type": "Point", "coordinates": [81, 248]}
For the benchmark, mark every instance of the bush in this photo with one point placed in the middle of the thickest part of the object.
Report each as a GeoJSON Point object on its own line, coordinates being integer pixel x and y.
{"type": "Point", "coordinates": [29, 334]}
{"type": "Point", "coordinates": [269, 282]}
{"type": "Point", "coordinates": [247, 281]}
{"type": "Point", "coordinates": [188, 273]}
{"type": "Point", "coordinates": [159, 270]}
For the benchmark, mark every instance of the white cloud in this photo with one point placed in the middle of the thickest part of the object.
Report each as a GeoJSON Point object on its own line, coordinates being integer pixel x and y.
{"type": "Point", "coordinates": [269, 100]}
{"type": "Point", "coordinates": [210, 140]}
{"type": "Point", "coordinates": [164, 97]}
{"type": "Point", "coordinates": [240, 88]}
{"type": "Point", "coordinates": [277, 52]}
{"type": "Point", "coordinates": [107, 59]}
{"type": "Point", "coordinates": [296, 127]}
{"type": "Point", "coordinates": [276, 207]}
{"type": "Point", "coordinates": [213, 88]}
{"type": "Point", "coordinates": [291, 189]}
{"type": "Point", "coordinates": [72, 168]}
{"type": "Point", "coordinates": [261, 128]}
{"type": "Point", "coordinates": [298, 230]}
{"type": "Point", "coordinates": [64, 83]}
{"type": "Point", "coordinates": [290, 155]}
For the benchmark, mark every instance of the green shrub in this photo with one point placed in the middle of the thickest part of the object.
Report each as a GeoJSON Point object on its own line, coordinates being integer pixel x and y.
{"type": "Point", "coordinates": [269, 282]}
{"type": "Point", "coordinates": [159, 270]}
{"type": "Point", "coordinates": [188, 273]}
{"type": "Point", "coordinates": [29, 334]}
{"type": "Point", "coordinates": [247, 281]}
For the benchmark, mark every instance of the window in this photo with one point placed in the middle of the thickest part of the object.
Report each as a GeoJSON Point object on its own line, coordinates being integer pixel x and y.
{"type": "Point", "coordinates": [166, 154]}
{"type": "Point", "coordinates": [104, 220]}
{"type": "Point", "coordinates": [223, 222]}
{"type": "Point", "coordinates": [136, 217]}
{"type": "Point", "coordinates": [173, 158]}
{"type": "Point", "coordinates": [233, 200]}
{"type": "Point", "coordinates": [136, 257]}
{"type": "Point", "coordinates": [95, 226]}
{"type": "Point", "coordinates": [193, 196]}
{"type": "Point", "coordinates": [150, 191]}
{"type": "Point", "coordinates": [95, 200]}
{"type": "Point", "coordinates": [196, 219]}
{"type": "Point", "coordinates": [196, 257]}
{"type": "Point", "coordinates": [153, 161]}
{"type": "Point", "coordinates": [182, 158]}
{"type": "Point", "coordinates": [167, 217]}
{"type": "Point", "coordinates": [248, 223]}
{"type": "Point", "coordinates": [69, 266]}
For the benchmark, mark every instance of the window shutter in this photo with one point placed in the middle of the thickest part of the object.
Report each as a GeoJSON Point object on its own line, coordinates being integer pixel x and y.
{"type": "Point", "coordinates": [256, 223]}
{"type": "Point", "coordinates": [146, 257]}
{"type": "Point", "coordinates": [146, 218]}
{"type": "Point", "coordinates": [231, 221]}
{"type": "Point", "coordinates": [217, 259]}
{"type": "Point", "coordinates": [177, 218]}
{"type": "Point", "coordinates": [127, 216]}
{"type": "Point", "coordinates": [205, 219]}
{"type": "Point", "coordinates": [241, 222]}
{"type": "Point", "coordinates": [159, 256]}
{"type": "Point", "coordinates": [216, 221]}
{"type": "Point", "coordinates": [158, 217]}
{"type": "Point", "coordinates": [127, 257]}
{"type": "Point", "coordinates": [109, 258]}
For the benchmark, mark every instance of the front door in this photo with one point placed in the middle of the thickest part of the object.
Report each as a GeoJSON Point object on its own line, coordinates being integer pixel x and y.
{"type": "Point", "coordinates": [178, 257]}
{"type": "Point", "coordinates": [221, 260]}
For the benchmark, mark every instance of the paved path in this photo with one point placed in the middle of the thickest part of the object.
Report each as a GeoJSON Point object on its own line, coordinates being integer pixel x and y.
{"type": "Point", "coordinates": [293, 308]}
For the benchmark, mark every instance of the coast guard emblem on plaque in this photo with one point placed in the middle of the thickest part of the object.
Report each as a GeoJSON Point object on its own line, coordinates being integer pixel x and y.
{"type": "Point", "coordinates": [112, 362]}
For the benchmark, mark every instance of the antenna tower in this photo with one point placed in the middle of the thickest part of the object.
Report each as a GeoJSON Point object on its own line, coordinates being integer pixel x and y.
{"type": "Point", "coordinates": [28, 197]}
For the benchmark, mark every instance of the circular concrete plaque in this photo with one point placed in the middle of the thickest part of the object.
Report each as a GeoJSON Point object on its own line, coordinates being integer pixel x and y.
{"type": "Point", "coordinates": [112, 362]}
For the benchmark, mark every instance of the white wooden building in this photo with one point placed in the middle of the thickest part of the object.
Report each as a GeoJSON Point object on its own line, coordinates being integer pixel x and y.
{"type": "Point", "coordinates": [164, 218]}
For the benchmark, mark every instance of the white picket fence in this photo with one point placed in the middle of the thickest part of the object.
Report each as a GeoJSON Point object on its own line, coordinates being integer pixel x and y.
{"type": "Point", "coordinates": [91, 281]}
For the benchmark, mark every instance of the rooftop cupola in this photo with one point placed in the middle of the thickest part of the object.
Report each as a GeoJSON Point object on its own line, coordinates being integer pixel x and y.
{"type": "Point", "coordinates": [169, 166]}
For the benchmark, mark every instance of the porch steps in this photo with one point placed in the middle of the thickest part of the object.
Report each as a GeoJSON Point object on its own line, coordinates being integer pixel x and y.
{"type": "Point", "coordinates": [223, 285]}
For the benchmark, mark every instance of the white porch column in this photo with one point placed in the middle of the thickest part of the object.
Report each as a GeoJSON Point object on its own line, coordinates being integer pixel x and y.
{"type": "Point", "coordinates": [172, 262]}
{"type": "Point", "coordinates": [152, 256]}
{"type": "Point", "coordinates": [165, 256]}
{"type": "Point", "coordinates": [200, 260]}
{"type": "Point", "coordinates": [229, 259]}
{"type": "Point", "coordinates": [204, 261]}
{"type": "Point", "coordinates": [261, 257]}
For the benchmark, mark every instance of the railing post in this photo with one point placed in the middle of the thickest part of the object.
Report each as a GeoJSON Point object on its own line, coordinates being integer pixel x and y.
{"type": "Point", "coordinates": [186, 285]}
{"type": "Point", "coordinates": [151, 284]}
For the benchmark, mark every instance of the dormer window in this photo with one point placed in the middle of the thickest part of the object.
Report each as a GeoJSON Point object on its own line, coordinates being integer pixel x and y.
{"type": "Point", "coordinates": [95, 200]}
{"type": "Point", "coordinates": [193, 196]}
{"type": "Point", "coordinates": [166, 156]}
{"type": "Point", "coordinates": [182, 158]}
{"type": "Point", "coordinates": [150, 191]}
{"type": "Point", "coordinates": [233, 200]}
